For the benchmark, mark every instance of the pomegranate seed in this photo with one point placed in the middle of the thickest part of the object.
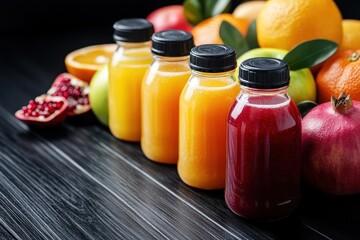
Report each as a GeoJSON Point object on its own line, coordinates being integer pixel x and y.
{"type": "Point", "coordinates": [58, 105]}
{"type": "Point", "coordinates": [42, 107]}
{"type": "Point", "coordinates": [77, 93]}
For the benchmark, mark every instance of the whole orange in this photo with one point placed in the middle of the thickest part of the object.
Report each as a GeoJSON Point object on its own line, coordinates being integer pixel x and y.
{"type": "Point", "coordinates": [286, 23]}
{"type": "Point", "coordinates": [341, 73]}
{"type": "Point", "coordinates": [207, 31]}
{"type": "Point", "coordinates": [351, 34]}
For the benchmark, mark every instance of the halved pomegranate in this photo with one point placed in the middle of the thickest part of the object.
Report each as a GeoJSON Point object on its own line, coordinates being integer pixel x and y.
{"type": "Point", "coordinates": [43, 111]}
{"type": "Point", "coordinates": [74, 90]}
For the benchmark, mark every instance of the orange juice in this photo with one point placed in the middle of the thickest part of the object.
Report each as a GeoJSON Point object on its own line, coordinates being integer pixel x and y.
{"type": "Point", "coordinates": [161, 91]}
{"type": "Point", "coordinates": [126, 71]}
{"type": "Point", "coordinates": [204, 106]}
{"type": "Point", "coordinates": [125, 95]}
{"type": "Point", "coordinates": [160, 112]}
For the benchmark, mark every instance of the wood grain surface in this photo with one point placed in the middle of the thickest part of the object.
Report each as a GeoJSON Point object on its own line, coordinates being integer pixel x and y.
{"type": "Point", "coordinates": [76, 181]}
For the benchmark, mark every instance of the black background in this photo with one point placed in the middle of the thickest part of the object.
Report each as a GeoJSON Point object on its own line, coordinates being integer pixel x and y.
{"type": "Point", "coordinates": [20, 17]}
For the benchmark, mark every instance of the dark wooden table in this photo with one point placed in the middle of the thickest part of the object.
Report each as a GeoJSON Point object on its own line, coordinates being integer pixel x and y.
{"type": "Point", "coordinates": [76, 181]}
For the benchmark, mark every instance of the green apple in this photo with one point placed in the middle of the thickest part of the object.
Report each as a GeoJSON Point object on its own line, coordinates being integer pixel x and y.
{"type": "Point", "coordinates": [98, 95]}
{"type": "Point", "coordinates": [302, 84]}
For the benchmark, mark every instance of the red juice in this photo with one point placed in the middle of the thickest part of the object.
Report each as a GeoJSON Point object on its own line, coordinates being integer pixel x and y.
{"type": "Point", "coordinates": [263, 156]}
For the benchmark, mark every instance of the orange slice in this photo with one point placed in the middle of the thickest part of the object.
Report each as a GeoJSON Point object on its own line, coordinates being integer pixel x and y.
{"type": "Point", "coordinates": [84, 62]}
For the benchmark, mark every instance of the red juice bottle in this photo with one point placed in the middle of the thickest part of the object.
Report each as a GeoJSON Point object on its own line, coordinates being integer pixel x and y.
{"type": "Point", "coordinates": [263, 143]}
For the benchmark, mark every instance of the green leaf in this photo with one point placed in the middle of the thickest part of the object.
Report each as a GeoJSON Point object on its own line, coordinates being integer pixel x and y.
{"type": "Point", "coordinates": [251, 36]}
{"type": "Point", "coordinates": [193, 11]}
{"type": "Point", "coordinates": [233, 38]}
{"type": "Point", "coordinates": [213, 8]}
{"type": "Point", "coordinates": [197, 10]}
{"type": "Point", "coordinates": [310, 53]}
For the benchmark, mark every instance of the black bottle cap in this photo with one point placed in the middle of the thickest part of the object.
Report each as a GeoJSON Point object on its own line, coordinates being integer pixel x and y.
{"type": "Point", "coordinates": [133, 30]}
{"type": "Point", "coordinates": [172, 43]}
{"type": "Point", "coordinates": [264, 73]}
{"type": "Point", "coordinates": [212, 58]}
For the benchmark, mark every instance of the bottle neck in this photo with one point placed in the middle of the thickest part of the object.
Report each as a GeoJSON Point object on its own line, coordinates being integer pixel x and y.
{"type": "Point", "coordinates": [170, 59]}
{"type": "Point", "coordinates": [257, 91]}
{"type": "Point", "coordinates": [217, 75]}
{"type": "Point", "coordinates": [130, 45]}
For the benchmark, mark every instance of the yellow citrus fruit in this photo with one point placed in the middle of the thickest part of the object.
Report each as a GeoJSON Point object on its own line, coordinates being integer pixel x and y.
{"type": "Point", "coordinates": [84, 62]}
{"type": "Point", "coordinates": [286, 23]}
{"type": "Point", "coordinates": [351, 34]}
{"type": "Point", "coordinates": [207, 31]}
{"type": "Point", "coordinates": [249, 10]}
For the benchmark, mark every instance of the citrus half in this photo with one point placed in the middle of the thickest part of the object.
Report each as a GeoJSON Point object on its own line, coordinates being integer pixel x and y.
{"type": "Point", "coordinates": [84, 62]}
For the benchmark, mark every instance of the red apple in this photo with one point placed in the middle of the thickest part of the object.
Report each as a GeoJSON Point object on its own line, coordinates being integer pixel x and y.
{"type": "Point", "coordinates": [169, 18]}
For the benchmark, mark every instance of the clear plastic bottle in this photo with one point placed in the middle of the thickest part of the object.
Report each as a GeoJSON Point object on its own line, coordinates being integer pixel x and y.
{"type": "Point", "coordinates": [204, 105]}
{"type": "Point", "coordinates": [160, 95]}
{"type": "Point", "coordinates": [126, 72]}
{"type": "Point", "coordinates": [264, 143]}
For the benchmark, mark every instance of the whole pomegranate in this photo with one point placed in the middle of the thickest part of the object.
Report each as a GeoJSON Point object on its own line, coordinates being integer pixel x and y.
{"type": "Point", "coordinates": [331, 146]}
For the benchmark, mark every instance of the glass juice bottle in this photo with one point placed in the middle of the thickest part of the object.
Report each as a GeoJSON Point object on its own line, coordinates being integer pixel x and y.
{"type": "Point", "coordinates": [126, 71]}
{"type": "Point", "coordinates": [264, 143]}
{"type": "Point", "coordinates": [204, 105]}
{"type": "Point", "coordinates": [160, 95]}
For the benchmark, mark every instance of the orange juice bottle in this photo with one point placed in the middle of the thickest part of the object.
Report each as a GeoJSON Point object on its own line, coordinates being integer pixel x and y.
{"type": "Point", "coordinates": [126, 71]}
{"type": "Point", "coordinates": [160, 95]}
{"type": "Point", "coordinates": [204, 106]}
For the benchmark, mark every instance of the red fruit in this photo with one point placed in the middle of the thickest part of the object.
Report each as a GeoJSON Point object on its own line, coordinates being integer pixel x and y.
{"type": "Point", "coordinates": [43, 111]}
{"type": "Point", "coordinates": [331, 146]}
{"type": "Point", "coordinates": [74, 90]}
{"type": "Point", "coordinates": [169, 18]}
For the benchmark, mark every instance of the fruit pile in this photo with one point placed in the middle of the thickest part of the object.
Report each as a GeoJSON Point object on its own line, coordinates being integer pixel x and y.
{"type": "Point", "coordinates": [289, 30]}
{"type": "Point", "coordinates": [71, 89]}
{"type": "Point", "coordinates": [321, 48]}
